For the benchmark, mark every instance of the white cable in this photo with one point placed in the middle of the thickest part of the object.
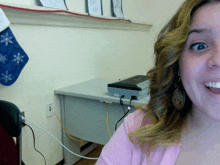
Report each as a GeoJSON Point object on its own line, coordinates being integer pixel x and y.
{"type": "Point", "coordinates": [60, 142]}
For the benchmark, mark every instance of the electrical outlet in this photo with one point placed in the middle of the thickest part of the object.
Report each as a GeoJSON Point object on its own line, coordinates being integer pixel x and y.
{"type": "Point", "coordinates": [49, 108]}
{"type": "Point", "coordinates": [22, 114]}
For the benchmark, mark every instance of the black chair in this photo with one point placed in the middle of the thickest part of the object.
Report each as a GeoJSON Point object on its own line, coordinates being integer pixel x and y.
{"type": "Point", "coordinates": [10, 119]}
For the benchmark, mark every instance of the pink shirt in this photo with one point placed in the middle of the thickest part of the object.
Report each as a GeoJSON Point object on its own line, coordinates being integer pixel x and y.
{"type": "Point", "coordinates": [120, 151]}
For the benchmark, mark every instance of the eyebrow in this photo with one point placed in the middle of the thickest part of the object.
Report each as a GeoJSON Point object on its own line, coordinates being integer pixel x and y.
{"type": "Point", "coordinates": [203, 30]}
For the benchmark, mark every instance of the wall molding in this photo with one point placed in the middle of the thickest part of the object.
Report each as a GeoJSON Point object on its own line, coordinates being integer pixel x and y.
{"type": "Point", "coordinates": [21, 17]}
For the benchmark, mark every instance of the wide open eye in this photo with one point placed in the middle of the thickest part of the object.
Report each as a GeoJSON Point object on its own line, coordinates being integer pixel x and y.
{"type": "Point", "coordinates": [198, 46]}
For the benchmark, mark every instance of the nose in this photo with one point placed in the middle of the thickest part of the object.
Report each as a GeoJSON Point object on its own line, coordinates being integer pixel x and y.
{"type": "Point", "coordinates": [214, 59]}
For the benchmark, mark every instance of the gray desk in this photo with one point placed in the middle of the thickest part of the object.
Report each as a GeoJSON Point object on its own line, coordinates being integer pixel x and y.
{"type": "Point", "coordinates": [84, 115]}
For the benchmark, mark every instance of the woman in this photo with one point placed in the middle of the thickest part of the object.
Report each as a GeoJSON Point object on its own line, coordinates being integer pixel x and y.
{"type": "Point", "coordinates": [181, 122]}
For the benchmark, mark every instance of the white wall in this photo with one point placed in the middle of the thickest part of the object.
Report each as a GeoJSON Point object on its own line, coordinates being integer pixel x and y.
{"type": "Point", "coordinates": [61, 57]}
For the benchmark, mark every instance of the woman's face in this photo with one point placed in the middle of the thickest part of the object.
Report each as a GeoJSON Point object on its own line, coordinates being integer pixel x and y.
{"type": "Point", "coordinates": [200, 61]}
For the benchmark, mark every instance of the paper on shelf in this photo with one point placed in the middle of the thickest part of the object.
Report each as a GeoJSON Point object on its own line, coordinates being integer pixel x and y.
{"type": "Point", "coordinates": [58, 4]}
{"type": "Point", "coordinates": [94, 7]}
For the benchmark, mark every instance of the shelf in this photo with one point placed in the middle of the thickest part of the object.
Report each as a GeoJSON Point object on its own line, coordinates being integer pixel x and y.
{"type": "Point", "coordinates": [42, 16]}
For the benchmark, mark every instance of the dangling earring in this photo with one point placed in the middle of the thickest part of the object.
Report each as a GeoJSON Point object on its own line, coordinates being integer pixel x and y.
{"type": "Point", "coordinates": [178, 97]}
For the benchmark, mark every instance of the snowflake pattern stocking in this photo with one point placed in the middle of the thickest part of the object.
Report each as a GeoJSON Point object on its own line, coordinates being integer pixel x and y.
{"type": "Point", "coordinates": [12, 58]}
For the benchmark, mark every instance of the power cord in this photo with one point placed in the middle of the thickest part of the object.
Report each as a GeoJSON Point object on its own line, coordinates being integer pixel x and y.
{"type": "Point", "coordinates": [59, 141]}
{"type": "Point", "coordinates": [34, 140]}
{"type": "Point", "coordinates": [78, 140]}
{"type": "Point", "coordinates": [129, 108]}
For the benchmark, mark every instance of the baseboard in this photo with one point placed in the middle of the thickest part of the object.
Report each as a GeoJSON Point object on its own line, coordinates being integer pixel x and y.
{"type": "Point", "coordinates": [61, 162]}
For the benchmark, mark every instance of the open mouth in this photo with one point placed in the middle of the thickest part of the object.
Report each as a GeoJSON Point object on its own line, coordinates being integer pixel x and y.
{"type": "Point", "coordinates": [214, 90]}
